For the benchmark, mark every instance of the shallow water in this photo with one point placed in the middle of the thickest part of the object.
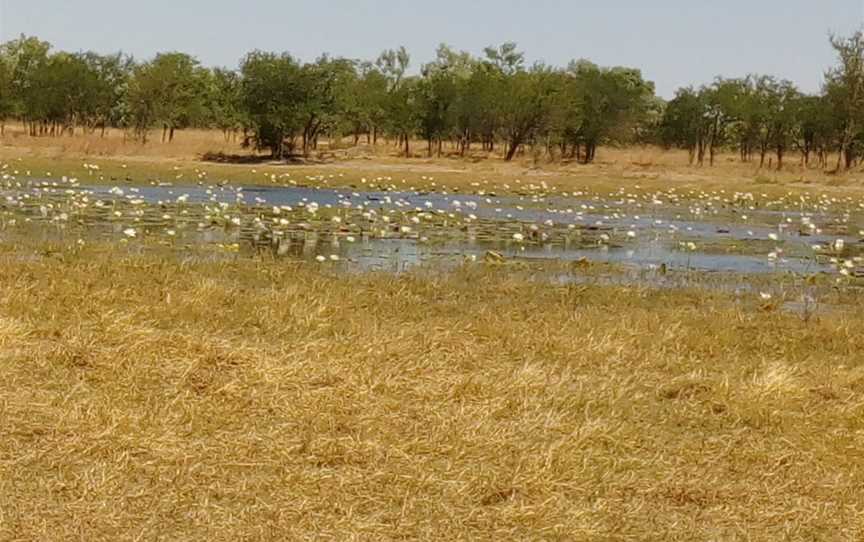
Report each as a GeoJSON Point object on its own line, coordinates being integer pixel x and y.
{"type": "Point", "coordinates": [393, 230]}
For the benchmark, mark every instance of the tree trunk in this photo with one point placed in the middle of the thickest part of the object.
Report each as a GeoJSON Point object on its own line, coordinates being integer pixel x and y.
{"type": "Point", "coordinates": [591, 153]}
{"type": "Point", "coordinates": [512, 148]}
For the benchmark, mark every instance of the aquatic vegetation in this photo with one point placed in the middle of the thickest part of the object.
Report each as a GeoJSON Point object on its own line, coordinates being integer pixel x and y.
{"type": "Point", "coordinates": [302, 217]}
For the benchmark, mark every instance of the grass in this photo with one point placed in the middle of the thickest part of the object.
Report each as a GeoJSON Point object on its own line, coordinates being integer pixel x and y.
{"type": "Point", "coordinates": [638, 168]}
{"type": "Point", "coordinates": [148, 396]}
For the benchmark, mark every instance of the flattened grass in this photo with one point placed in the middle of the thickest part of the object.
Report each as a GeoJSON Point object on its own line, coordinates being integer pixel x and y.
{"type": "Point", "coordinates": [145, 397]}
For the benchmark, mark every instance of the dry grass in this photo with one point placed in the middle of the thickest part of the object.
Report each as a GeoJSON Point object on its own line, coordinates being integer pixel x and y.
{"type": "Point", "coordinates": [188, 145]}
{"type": "Point", "coordinates": [152, 399]}
{"type": "Point", "coordinates": [645, 167]}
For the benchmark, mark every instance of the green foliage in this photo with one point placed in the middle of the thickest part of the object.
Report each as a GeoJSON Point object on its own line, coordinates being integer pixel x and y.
{"type": "Point", "coordinates": [272, 99]}
{"type": "Point", "coordinates": [600, 105]}
{"type": "Point", "coordinates": [225, 101]}
{"type": "Point", "coordinates": [284, 105]}
{"type": "Point", "coordinates": [169, 91]}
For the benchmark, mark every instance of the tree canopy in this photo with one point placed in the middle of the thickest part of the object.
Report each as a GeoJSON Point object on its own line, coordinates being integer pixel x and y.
{"type": "Point", "coordinates": [494, 101]}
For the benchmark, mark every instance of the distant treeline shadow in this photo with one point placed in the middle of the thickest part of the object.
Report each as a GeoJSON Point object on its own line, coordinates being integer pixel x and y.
{"type": "Point", "coordinates": [222, 158]}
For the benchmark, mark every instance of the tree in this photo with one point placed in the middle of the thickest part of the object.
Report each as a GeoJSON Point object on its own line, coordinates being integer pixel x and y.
{"type": "Point", "coordinates": [436, 95]}
{"type": "Point", "coordinates": [365, 102]}
{"type": "Point", "coordinates": [844, 86]}
{"type": "Point", "coordinates": [7, 100]}
{"type": "Point", "coordinates": [26, 57]}
{"type": "Point", "coordinates": [272, 93]}
{"type": "Point", "coordinates": [225, 101]}
{"type": "Point", "coordinates": [109, 84]}
{"type": "Point", "coordinates": [783, 103]}
{"type": "Point", "coordinates": [684, 122]}
{"type": "Point", "coordinates": [399, 112]}
{"type": "Point", "coordinates": [506, 58]}
{"type": "Point", "coordinates": [601, 105]}
{"type": "Point", "coordinates": [525, 107]}
{"type": "Point", "coordinates": [323, 84]}
{"type": "Point", "coordinates": [170, 91]}
{"type": "Point", "coordinates": [814, 128]}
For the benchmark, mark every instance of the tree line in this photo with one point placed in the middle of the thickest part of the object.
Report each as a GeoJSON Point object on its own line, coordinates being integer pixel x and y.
{"type": "Point", "coordinates": [495, 102]}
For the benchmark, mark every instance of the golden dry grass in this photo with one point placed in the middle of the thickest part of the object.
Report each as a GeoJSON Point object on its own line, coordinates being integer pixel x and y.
{"type": "Point", "coordinates": [645, 167]}
{"type": "Point", "coordinates": [189, 144]}
{"type": "Point", "coordinates": [149, 398]}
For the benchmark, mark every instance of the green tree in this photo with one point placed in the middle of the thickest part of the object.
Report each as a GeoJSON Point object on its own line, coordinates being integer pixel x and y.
{"type": "Point", "coordinates": [684, 123]}
{"type": "Point", "coordinates": [226, 102]}
{"type": "Point", "coordinates": [168, 91]}
{"type": "Point", "coordinates": [603, 105]}
{"type": "Point", "coordinates": [109, 80]}
{"type": "Point", "coordinates": [814, 128]}
{"type": "Point", "coordinates": [26, 57]}
{"type": "Point", "coordinates": [7, 100]}
{"type": "Point", "coordinates": [272, 93]}
{"type": "Point", "coordinates": [525, 106]}
{"type": "Point", "coordinates": [324, 84]}
{"type": "Point", "coordinates": [844, 87]}
{"type": "Point", "coordinates": [436, 96]}
{"type": "Point", "coordinates": [400, 115]}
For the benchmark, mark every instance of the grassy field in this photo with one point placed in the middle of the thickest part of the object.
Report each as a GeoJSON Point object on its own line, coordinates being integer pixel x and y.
{"type": "Point", "coordinates": [152, 393]}
{"type": "Point", "coordinates": [155, 397]}
{"type": "Point", "coordinates": [182, 161]}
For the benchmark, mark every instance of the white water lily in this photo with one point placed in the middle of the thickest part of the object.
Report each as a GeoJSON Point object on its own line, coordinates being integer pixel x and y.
{"type": "Point", "coordinates": [130, 232]}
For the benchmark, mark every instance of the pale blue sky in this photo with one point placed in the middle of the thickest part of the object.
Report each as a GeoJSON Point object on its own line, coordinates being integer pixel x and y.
{"type": "Point", "coordinates": [674, 42]}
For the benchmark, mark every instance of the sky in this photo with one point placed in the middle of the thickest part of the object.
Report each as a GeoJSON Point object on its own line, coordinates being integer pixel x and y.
{"type": "Point", "coordinates": [674, 42]}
